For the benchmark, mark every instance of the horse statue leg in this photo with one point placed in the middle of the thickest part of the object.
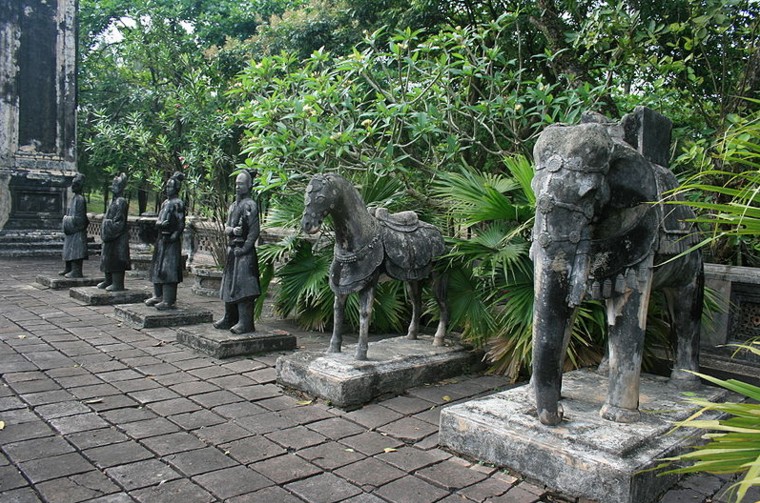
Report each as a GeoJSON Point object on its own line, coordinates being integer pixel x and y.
{"type": "Point", "coordinates": [415, 295]}
{"type": "Point", "coordinates": [339, 306]}
{"type": "Point", "coordinates": [440, 289]}
{"type": "Point", "coordinates": [366, 299]}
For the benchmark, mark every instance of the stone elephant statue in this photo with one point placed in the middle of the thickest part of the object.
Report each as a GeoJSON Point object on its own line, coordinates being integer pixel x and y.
{"type": "Point", "coordinates": [602, 231]}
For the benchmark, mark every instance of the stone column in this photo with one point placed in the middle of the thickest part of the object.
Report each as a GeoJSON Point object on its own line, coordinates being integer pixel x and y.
{"type": "Point", "coordinates": [37, 115]}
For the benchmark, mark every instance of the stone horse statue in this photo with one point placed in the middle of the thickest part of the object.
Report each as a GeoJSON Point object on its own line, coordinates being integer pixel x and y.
{"type": "Point", "coordinates": [368, 243]}
{"type": "Point", "coordinates": [602, 231]}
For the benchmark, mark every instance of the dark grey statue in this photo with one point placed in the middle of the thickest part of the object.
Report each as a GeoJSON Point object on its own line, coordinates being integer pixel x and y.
{"type": "Point", "coordinates": [368, 243]}
{"type": "Point", "coordinates": [166, 265]}
{"type": "Point", "coordinates": [597, 233]}
{"type": "Point", "coordinates": [240, 283]}
{"type": "Point", "coordinates": [114, 233]}
{"type": "Point", "coordinates": [75, 231]}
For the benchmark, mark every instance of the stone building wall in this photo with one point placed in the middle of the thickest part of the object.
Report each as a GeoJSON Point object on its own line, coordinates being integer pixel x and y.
{"type": "Point", "coordinates": [37, 113]}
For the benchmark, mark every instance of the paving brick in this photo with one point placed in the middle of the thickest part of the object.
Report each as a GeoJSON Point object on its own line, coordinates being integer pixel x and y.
{"type": "Point", "coordinates": [135, 385]}
{"type": "Point", "coordinates": [173, 406]}
{"type": "Point", "coordinates": [702, 483]}
{"type": "Point", "coordinates": [53, 467]}
{"type": "Point", "coordinates": [231, 482]}
{"type": "Point", "coordinates": [193, 387]}
{"type": "Point", "coordinates": [96, 438]}
{"type": "Point", "coordinates": [682, 496]}
{"type": "Point", "coordinates": [410, 489]}
{"type": "Point", "coordinates": [371, 443]}
{"type": "Point", "coordinates": [172, 443]}
{"type": "Point", "coordinates": [366, 498]}
{"type": "Point", "coordinates": [485, 489]}
{"type": "Point", "coordinates": [216, 398]}
{"type": "Point", "coordinates": [86, 379]}
{"type": "Point", "coordinates": [23, 495]}
{"type": "Point", "coordinates": [76, 488]}
{"type": "Point", "coordinates": [331, 455]}
{"type": "Point", "coordinates": [233, 381]}
{"type": "Point", "coordinates": [258, 392]}
{"type": "Point", "coordinates": [80, 422]}
{"type": "Point", "coordinates": [369, 473]}
{"type": "Point", "coordinates": [296, 438]}
{"type": "Point", "coordinates": [450, 475]}
{"type": "Point", "coordinates": [373, 415]}
{"type": "Point", "coordinates": [429, 442]}
{"type": "Point", "coordinates": [35, 386]}
{"type": "Point", "coordinates": [11, 478]}
{"type": "Point", "coordinates": [285, 468]}
{"type": "Point", "coordinates": [515, 495]}
{"type": "Point", "coordinates": [156, 369]}
{"type": "Point", "coordinates": [408, 429]}
{"type": "Point", "coordinates": [119, 375]}
{"type": "Point", "coordinates": [221, 433]}
{"type": "Point", "coordinates": [128, 414]}
{"type": "Point", "coordinates": [407, 405]}
{"type": "Point", "coordinates": [36, 448]}
{"type": "Point", "coordinates": [193, 364]}
{"type": "Point", "coordinates": [149, 428]}
{"type": "Point", "coordinates": [142, 474]}
{"type": "Point", "coordinates": [336, 428]}
{"type": "Point", "coordinates": [278, 403]}
{"type": "Point", "coordinates": [263, 376]}
{"type": "Point", "coordinates": [307, 414]}
{"type": "Point", "coordinates": [194, 420]}
{"type": "Point", "coordinates": [111, 402]}
{"type": "Point", "coordinates": [13, 377]}
{"type": "Point", "coordinates": [268, 494]}
{"type": "Point", "coordinates": [252, 449]}
{"type": "Point", "coordinates": [244, 365]}
{"type": "Point", "coordinates": [432, 415]}
{"type": "Point", "coordinates": [153, 395]}
{"type": "Point", "coordinates": [324, 488]}
{"type": "Point", "coordinates": [26, 430]}
{"type": "Point", "coordinates": [47, 397]}
{"type": "Point", "coordinates": [172, 492]}
{"type": "Point", "coordinates": [113, 498]}
{"type": "Point", "coordinates": [210, 372]}
{"type": "Point", "coordinates": [239, 409]}
{"type": "Point", "coordinates": [264, 423]}
{"type": "Point", "coordinates": [17, 416]}
{"type": "Point", "coordinates": [61, 409]}
{"type": "Point", "coordinates": [199, 461]}
{"type": "Point", "coordinates": [117, 454]}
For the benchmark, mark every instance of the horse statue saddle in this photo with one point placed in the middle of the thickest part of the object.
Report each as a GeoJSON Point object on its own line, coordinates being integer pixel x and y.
{"type": "Point", "coordinates": [403, 221]}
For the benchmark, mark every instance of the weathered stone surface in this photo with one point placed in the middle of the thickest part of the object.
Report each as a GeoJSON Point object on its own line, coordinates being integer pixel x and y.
{"type": "Point", "coordinates": [396, 364]}
{"type": "Point", "coordinates": [94, 296]}
{"type": "Point", "coordinates": [585, 455]}
{"type": "Point", "coordinates": [142, 316]}
{"type": "Point", "coordinates": [61, 283]}
{"type": "Point", "coordinates": [225, 344]}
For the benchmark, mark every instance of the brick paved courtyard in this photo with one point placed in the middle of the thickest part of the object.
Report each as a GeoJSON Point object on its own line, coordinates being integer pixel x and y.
{"type": "Point", "coordinates": [96, 411]}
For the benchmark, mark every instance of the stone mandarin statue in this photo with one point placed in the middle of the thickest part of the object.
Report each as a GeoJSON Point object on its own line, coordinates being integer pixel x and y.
{"type": "Point", "coordinates": [166, 266]}
{"type": "Point", "coordinates": [75, 231]}
{"type": "Point", "coordinates": [240, 284]}
{"type": "Point", "coordinates": [114, 258]}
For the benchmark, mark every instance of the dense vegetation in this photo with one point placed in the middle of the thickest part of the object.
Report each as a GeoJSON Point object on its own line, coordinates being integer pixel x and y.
{"type": "Point", "coordinates": [429, 105]}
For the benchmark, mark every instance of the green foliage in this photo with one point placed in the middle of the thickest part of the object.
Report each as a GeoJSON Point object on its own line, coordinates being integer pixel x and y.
{"type": "Point", "coordinates": [733, 443]}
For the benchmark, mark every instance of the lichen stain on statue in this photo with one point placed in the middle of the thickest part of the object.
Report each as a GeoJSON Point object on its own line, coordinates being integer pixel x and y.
{"type": "Point", "coordinates": [602, 232]}
{"type": "Point", "coordinates": [368, 243]}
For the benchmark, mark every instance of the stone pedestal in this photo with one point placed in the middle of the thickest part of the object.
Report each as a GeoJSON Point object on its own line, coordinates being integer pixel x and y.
{"type": "Point", "coordinates": [142, 316]}
{"type": "Point", "coordinates": [94, 296]}
{"type": "Point", "coordinates": [61, 283]}
{"type": "Point", "coordinates": [585, 456]}
{"type": "Point", "coordinates": [395, 365]}
{"type": "Point", "coordinates": [225, 344]}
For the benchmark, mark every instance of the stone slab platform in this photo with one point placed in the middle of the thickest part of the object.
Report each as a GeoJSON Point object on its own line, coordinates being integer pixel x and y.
{"type": "Point", "coordinates": [394, 365]}
{"type": "Point", "coordinates": [142, 316]}
{"type": "Point", "coordinates": [585, 456]}
{"type": "Point", "coordinates": [94, 296]}
{"type": "Point", "coordinates": [225, 344]}
{"type": "Point", "coordinates": [61, 283]}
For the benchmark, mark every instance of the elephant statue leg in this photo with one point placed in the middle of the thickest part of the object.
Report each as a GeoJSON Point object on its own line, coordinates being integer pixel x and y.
{"type": "Point", "coordinates": [685, 305]}
{"type": "Point", "coordinates": [415, 295]}
{"type": "Point", "coordinates": [366, 299]}
{"type": "Point", "coordinates": [626, 315]}
{"type": "Point", "coordinates": [339, 306]}
{"type": "Point", "coordinates": [440, 288]}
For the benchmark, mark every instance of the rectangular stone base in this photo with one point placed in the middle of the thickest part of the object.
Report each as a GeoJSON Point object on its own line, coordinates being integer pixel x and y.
{"type": "Point", "coordinates": [94, 296]}
{"type": "Point", "coordinates": [142, 316]}
{"type": "Point", "coordinates": [585, 456]}
{"type": "Point", "coordinates": [394, 365]}
{"type": "Point", "coordinates": [61, 283]}
{"type": "Point", "coordinates": [225, 344]}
